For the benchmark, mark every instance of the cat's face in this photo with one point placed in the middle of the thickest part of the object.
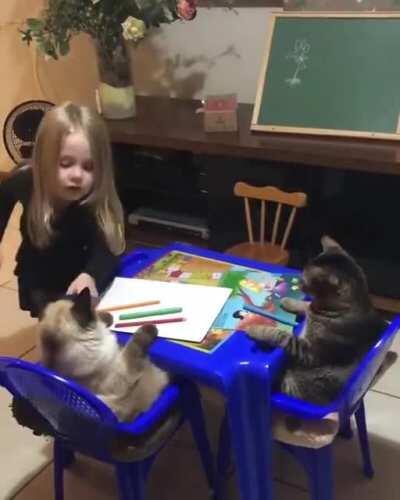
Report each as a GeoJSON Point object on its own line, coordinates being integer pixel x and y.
{"type": "Point", "coordinates": [69, 321]}
{"type": "Point", "coordinates": [333, 274]}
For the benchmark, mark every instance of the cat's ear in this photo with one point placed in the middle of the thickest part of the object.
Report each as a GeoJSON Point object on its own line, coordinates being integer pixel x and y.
{"type": "Point", "coordinates": [329, 243]}
{"type": "Point", "coordinates": [82, 308]}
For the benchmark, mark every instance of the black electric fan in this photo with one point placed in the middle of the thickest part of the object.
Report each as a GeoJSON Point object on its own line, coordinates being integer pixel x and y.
{"type": "Point", "coordinates": [20, 128]}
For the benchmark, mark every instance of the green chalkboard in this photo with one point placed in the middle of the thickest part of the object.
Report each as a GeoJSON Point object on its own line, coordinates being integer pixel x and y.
{"type": "Point", "coordinates": [331, 74]}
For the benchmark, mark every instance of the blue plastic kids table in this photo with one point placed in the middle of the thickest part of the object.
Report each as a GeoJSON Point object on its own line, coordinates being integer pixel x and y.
{"type": "Point", "coordinates": [239, 370]}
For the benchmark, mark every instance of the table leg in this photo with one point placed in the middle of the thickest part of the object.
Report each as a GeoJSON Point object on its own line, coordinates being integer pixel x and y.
{"type": "Point", "coordinates": [248, 407]}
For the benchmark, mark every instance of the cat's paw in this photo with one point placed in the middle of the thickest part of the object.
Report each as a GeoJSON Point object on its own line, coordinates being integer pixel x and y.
{"type": "Point", "coordinates": [293, 305]}
{"type": "Point", "coordinates": [145, 336]}
{"type": "Point", "coordinates": [263, 333]}
{"type": "Point", "coordinates": [287, 304]}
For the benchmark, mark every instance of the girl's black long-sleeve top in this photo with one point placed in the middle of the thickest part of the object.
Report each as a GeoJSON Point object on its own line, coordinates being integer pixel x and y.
{"type": "Point", "coordinates": [78, 245]}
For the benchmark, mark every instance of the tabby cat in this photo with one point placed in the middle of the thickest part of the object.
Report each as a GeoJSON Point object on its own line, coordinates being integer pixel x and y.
{"type": "Point", "coordinates": [340, 326]}
{"type": "Point", "coordinates": [76, 342]}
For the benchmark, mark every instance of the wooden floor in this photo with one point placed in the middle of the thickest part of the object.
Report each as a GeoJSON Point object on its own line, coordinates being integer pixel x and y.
{"type": "Point", "coordinates": [26, 460]}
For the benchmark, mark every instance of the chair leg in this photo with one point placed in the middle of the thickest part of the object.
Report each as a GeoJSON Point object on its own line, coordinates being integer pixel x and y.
{"type": "Point", "coordinates": [363, 438]}
{"type": "Point", "coordinates": [68, 458]}
{"type": "Point", "coordinates": [194, 413]}
{"type": "Point", "coordinates": [147, 464]}
{"type": "Point", "coordinates": [321, 479]}
{"type": "Point", "coordinates": [224, 458]}
{"type": "Point", "coordinates": [319, 467]}
{"type": "Point", "coordinates": [59, 463]}
{"type": "Point", "coordinates": [131, 481]}
{"type": "Point", "coordinates": [345, 431]}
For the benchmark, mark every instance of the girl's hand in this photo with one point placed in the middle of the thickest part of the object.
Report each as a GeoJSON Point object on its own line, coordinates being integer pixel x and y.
{"type": "Point", "coordinates": [84, 280]}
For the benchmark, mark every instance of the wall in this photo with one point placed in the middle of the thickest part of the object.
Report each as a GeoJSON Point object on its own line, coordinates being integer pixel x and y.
{"type": "Point", "coordinates": [219, 51]}
{"type": "Point", "coordinates": [25, 76]}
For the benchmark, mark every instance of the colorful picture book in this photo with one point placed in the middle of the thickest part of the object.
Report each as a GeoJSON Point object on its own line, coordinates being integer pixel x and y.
{"type": "Point", "coordinates": [248, 286]}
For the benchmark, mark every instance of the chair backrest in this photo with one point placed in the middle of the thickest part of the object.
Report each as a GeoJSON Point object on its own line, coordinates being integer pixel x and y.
{"type": "Point", "coordinates": [75, 414]}
{"type": "Point", "coordinates": [269, 194]}
{"type": "Point", "coordinates": [363, 377]}
{"type": "Point", "coordinates": [354, 390]}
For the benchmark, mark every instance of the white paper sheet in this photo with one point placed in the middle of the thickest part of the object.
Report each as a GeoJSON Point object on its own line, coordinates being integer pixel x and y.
{"type": "Point", "coordinates": [200, 305]}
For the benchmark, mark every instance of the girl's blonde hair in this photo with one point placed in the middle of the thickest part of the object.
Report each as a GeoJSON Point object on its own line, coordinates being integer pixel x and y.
{"type": "Point", "coordinates": [102, 201]}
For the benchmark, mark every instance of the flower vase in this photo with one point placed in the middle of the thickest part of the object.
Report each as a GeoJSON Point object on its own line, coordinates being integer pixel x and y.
{"type": "Point", "coordinates": [116, 93]}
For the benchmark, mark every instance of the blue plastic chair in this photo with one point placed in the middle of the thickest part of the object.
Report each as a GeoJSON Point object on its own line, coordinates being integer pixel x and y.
{"type": "Point", "coordinates": [83, 423]}
{"type": "Point", "coordinates": [318, 463]}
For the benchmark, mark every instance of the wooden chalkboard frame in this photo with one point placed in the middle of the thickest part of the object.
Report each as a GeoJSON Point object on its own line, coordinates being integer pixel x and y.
{"type": "Point", "coordinates": [263, 74]}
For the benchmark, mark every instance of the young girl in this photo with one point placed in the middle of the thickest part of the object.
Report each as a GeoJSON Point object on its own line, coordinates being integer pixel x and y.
{"type": "Point", "coordinates": [72, 223]}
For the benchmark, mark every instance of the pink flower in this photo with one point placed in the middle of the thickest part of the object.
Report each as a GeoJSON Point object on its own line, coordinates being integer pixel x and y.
{"type": "Point", "coordinates": [186, 9]}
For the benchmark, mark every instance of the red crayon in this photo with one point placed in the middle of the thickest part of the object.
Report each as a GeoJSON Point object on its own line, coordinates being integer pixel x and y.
{"type": "Point", "coordinates": [149, 322]}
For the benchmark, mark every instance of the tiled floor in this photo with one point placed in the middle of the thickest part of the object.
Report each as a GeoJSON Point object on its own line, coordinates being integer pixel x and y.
{"type": "Point", "coordinates": [25, 460]}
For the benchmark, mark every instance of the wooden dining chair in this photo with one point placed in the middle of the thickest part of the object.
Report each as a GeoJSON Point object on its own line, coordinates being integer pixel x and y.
{"type": "Point", "coordinates": [386, 304]}
{"type": "Point", "coordinates": [263, 250]}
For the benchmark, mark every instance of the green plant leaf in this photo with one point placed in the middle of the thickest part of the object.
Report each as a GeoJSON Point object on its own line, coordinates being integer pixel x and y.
{"type": "Point", "coordinates": [63, 47]}
{"type": "Point", "coordinates": [63, 19]}
{"type": "Point", "coordinates": [35, 24]}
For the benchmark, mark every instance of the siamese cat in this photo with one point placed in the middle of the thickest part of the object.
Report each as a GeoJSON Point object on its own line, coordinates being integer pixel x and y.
{"type": "Point", "coordinates": [75, 341]}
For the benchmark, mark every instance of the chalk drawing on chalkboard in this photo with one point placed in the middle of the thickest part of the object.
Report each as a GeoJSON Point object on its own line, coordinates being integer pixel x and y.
{"type": "Point", "coordinates": [299, 55]}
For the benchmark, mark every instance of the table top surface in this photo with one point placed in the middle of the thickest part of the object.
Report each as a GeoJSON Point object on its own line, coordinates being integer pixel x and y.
{"type": "Point", "coordinates": [236, 353]}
